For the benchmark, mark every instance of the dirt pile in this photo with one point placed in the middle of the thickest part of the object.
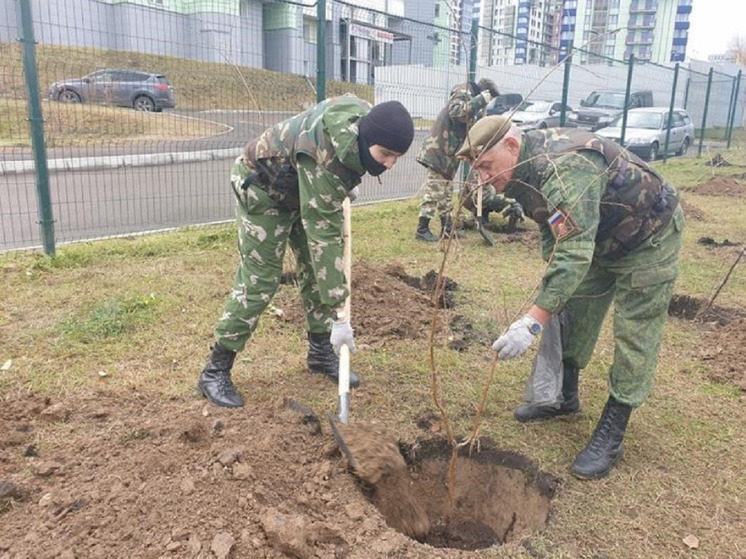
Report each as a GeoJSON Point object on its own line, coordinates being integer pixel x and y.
{"type": "Point", "coordinates": [387, 304]}
{"type": "Point", "coordinates": [721, 186]}
{"type": "Point", "coordinates": [691, 308]}
{"type": "Point", "coordinates": [117, 478]}
{"type": "Point", "coordinates": [724, 354]}
{"type": "Point", "coordinates": [139, 478]}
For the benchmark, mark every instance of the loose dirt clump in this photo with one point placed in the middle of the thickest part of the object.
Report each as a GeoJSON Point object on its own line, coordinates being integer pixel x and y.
{"type": "Point", "coordinates": [377, 461]}
{"type": "Point", "coordinates": [718, 161]}
{"type": "Point", "coordinates": [689, 308]}
{"type": "Point", "coordinates": [426, 284]}
{"type": "Point", "coordinates": [710, 242]}
{"type": "Point", "coordinates": [721, 186]}
{"type": "Point", "coordinates": [724, 354]}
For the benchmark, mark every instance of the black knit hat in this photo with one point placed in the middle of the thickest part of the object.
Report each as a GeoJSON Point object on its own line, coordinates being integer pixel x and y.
{"type": "Point", "coordinates": [389, 125]}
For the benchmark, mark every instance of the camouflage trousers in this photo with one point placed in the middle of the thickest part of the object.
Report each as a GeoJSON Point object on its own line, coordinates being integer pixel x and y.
{"type": "Point", "coordinates": [437, 196]}
{"type": "Point", "coordinates": [264, 231]}
{"type": "Point", "coordinates": [641, 285]}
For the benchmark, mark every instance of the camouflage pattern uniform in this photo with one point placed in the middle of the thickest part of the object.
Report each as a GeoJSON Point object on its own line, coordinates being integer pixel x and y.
{"type": "Point", "coordinates": [290, 184]}
{"type": "Point", "coordinates": [611, 228]}
{"type": "Point", "coordinates": [438, 151]}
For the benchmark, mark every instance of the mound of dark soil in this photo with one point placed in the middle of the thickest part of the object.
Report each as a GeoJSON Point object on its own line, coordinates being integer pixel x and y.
{"type": "Point", "coordinates": [721, 186]}
{"type": "Point", "coordinates": [710, 242]}
{"type": "Point", "coordinates": [387, 304]}
{"type": "Point", "coordinates": [690, 308]}
{"type": "Point", "coordinates": [725, 352]}
{"type": "Point", "coordinates": [718, 161]}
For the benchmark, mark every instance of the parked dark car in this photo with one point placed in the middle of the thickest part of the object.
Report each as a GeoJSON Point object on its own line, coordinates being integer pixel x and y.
{"type": "Point", "coordinates": [143, 91]}
{"type": "Point", "coordinates": [600, 108]}
{"type": "Point", "coordinates": [646, 131]}
{"type": "Point", "coordinates": [503, 103]}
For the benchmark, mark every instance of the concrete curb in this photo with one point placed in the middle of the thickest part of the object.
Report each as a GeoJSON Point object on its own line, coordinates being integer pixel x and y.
{"type": "Point", "coordinates": [118, 161]}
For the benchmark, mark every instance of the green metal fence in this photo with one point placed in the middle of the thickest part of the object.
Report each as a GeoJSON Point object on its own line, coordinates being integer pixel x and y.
{"type": "Point", "coordinates": [78, 162]}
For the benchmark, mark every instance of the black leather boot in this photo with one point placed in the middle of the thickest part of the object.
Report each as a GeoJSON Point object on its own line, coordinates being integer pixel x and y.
{"type": "Point", "coordinates": [423, 231]}
{"type": "Point", "coordinates": [570, 400]}
{"type": "Point", "coordinates": [447, 229]}
{"type": "Point", "coordinates": [323, 360]}
{"type": "Point", "coordinates": [606, 445]}
{"type": "Point", "coordinates": [215, 382]}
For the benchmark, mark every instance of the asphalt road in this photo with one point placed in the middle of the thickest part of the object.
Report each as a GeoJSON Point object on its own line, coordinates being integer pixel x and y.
{"type": "Point", "coordinates": [242, 126]}
{"type": "Point", "coordinates": [108, 202]}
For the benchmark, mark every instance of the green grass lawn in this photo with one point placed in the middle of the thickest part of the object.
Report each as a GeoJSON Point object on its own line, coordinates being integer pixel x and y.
{"type": "Point", "coordinates": [141, 311]}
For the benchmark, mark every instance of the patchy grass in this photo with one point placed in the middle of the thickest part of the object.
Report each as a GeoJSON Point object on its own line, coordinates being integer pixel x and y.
{"type": "Point", "coordinates": [79, 125]}
{"type": "Point", "coordinates": [683, 469]}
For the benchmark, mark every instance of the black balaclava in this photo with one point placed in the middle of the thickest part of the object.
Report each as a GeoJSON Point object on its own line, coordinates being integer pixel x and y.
{"type": "Point", "coordinates": [388, 125]}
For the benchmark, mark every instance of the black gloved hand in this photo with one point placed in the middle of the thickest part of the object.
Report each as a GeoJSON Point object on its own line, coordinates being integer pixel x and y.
{"type": "Point", "coordinates": [486, 84]}
{"type": "Point", "coordinates": [514, 212]}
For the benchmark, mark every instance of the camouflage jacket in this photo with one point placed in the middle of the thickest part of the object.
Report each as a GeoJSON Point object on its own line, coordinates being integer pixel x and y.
{"type": "Point", "coordinates": [308, 163]}
{"type": "Point", "coordinates": [591, 199]}
{"type": "Point", "coordinates": [449, 131]}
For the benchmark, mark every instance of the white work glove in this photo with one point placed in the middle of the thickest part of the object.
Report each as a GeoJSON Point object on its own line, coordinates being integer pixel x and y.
{"type": "Point", "coordinates": [517, 339]}
{"type": "Point", "coordinates": [342, 335]}
{"type": "Point", "coordinates": [353, 194]}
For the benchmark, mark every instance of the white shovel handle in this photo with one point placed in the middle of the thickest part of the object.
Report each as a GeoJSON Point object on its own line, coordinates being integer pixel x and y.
{"type": "Point", "coordinates": [344, 351]}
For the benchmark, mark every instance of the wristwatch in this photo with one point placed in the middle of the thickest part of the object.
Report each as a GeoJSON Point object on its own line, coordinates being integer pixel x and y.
{"type": "Point", "coordinates": [339, 315]}
{"type": "Point", "coordinates": [535, 327]}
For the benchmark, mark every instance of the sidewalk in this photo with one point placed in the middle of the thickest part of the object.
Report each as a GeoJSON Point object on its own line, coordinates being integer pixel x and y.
{"type": "Point", "coordinates": [118, 161]}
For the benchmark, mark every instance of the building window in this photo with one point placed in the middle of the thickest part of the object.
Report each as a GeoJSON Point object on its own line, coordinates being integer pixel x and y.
{"type": "Point", "coordinates": [309, 31]}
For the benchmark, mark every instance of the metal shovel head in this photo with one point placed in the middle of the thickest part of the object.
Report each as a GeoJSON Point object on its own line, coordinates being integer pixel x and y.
{"type": "Point", "coordinates": [333, 422]}
{"type": "Point", "coordinates": [485, 235]}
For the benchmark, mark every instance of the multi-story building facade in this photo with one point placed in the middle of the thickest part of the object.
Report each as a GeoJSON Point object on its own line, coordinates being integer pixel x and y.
{"type": "Point", "coordinates": [517, 31]}
{"type": "Point", "coordinates": [651, 30]}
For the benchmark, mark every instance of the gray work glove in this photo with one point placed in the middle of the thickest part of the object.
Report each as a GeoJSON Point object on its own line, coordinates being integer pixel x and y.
{"type": "Point", "coordinates": [353, 194]}
{"type": "Point", "coordinates": [517, 339]}
{"type": "Point", "coordinates": [342, 335]}
{"type": "Point", "coordinates": [486, 84]}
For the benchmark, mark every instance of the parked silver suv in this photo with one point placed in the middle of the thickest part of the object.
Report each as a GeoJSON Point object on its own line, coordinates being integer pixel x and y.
{"type": "Point", "coordinates": [646, 132]}
{"type": "Point", "coordinates": [142, 91]}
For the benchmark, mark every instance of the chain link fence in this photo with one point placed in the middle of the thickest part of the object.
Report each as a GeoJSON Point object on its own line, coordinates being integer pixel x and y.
{"type": "Point", "coordinates": [122, 117]}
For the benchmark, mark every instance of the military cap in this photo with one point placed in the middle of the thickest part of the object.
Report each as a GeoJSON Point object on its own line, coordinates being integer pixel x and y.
{"type": "Point", "coordinates": [485, 133]}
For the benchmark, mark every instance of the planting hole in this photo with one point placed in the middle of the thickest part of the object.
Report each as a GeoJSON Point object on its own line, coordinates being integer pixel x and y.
{"type": "Point", "coordinates": [499, 496]}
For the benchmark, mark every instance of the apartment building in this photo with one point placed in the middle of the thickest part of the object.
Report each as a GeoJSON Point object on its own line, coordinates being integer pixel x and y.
{"type": "Point", "coordinates": [651, 30]}
{"type": "Point", "coordinates": [518, 31]}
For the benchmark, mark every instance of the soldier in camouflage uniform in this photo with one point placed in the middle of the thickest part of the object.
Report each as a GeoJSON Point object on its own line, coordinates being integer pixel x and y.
{"type": "Point", "coordinates": [611, 229]}
{"type": "Point", "coordinates": [289, 185]}
{"type": "Point", "coordinates": [437, 154]}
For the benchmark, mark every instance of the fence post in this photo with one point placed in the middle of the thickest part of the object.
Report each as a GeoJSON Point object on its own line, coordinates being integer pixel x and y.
{"type": "Point", "coordinates": [670, 111]}
{"type": "Point", "coordinates": [321, 50]}
{"type": "Point", "coordinates": [704, 112]}
{"type": "Point", "coordinates": [36, 126]}
{"type": "Point", "coordinates": [686, 90]}
{"type": "Point", "coordinates": [473, 50]}
{"type": "Point", "coordinates": [566, 85]}
{"type": "Point", "coordinates": [730, 106]}
{"type": "Point", "coordinates": [735, 108]}
{"type": "Point", "coordinates": [630, 66]}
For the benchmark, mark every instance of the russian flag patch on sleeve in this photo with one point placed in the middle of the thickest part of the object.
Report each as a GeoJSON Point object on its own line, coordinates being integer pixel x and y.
{"type": "Point", "coordinates": [562, 225]}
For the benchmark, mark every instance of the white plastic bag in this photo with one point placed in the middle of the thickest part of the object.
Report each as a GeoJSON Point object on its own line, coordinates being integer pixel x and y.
{"type": "Point", "coordinates": [544, 385]}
